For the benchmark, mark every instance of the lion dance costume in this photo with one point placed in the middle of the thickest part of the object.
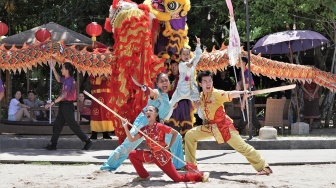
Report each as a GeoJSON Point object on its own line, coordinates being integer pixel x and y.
{"type": "Point", "coordinates": [135, 28]}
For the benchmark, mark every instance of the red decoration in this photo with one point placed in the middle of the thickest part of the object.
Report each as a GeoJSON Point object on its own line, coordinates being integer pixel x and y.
{"type": "Point", "coordinates": [42, 34]}
{"type": "Point", "coordinates": [94, 30]}
{"type": "Point", "coordinates": [3, 29]}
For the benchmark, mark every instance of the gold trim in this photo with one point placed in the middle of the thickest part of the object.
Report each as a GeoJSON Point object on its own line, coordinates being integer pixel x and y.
{"type": "Point", "coordinates": [96, 91]}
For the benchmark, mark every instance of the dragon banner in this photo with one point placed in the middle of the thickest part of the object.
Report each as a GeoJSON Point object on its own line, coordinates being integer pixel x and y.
{"type": "Point", "coordinates": [145, 36]}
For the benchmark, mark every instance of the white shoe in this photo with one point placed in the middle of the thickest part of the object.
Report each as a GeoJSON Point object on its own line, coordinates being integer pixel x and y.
{"type": "Point", "coordinates": [205, 177]}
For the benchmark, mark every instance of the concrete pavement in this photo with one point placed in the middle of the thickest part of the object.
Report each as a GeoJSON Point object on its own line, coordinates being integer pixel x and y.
{"type": "Point", "coordinates": [319, 147]}
{"type": "Point", "coordinates": [73, 142]}
{"type": "Point", "coordinates": [284, 150]}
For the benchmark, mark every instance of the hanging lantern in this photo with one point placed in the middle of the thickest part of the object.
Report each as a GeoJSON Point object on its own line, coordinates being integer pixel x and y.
{"type": "Point", "coordinates": [42, 34]}
{"type": "Point", "coordinates": [3, 29]}
{"type": "Point", "coordinates": [93, 29]}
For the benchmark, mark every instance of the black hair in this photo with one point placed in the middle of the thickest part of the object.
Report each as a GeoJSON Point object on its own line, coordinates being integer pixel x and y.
{"type": "Point", "coordinates": [69, 67]}
{"type": "Point", "coordinates": [32, 91]}
{"type": "Point", "coordinates": [157, 111]}
{"type": "Point", "coordinates": [202, 74]}
{"type": "Point", "coordinates": [160, 75]}
{"type": "Point", "coordinates": [20, 99]}
{"type": "Point", "coordinates": [244, 59]}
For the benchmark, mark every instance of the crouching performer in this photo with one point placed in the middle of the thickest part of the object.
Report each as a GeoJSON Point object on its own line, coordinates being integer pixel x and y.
{"type": "Point", "coordinates": [219, 125]}
{"type": "Point", "coordinates": [155, 133]}
{"type": "Point", "coordinates": [158, 98]}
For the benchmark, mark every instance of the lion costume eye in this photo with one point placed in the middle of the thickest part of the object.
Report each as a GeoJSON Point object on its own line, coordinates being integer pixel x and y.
{"type": "Point", "coordinates": [173, 6]}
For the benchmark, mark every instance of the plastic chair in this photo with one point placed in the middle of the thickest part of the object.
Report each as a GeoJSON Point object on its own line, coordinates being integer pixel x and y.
{"type": "Point", "coordinates": [274, 116]}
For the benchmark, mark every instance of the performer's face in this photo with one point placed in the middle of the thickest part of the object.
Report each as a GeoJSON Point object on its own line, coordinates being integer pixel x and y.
{"type": "Point", "coordinates": [163, 83]}
{"type": "Point", "coordinates": [64, 71]}
{"type": "Point", "coordinates": [185, 55]}
{"type": "Point", "coordinates": [206, 84]}
{"type": "Point", "coordinates": [151, 114]}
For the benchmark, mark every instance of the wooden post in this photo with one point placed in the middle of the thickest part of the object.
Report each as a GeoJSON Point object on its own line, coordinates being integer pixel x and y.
{"type": "Point", "coordinates": [27, 77]}
{"type": "Point", "coordinates": [8, 87]}
{"type": "Point", "coordinates": [77, 94]}
{"type": "Point", "coordinates": [0, 101]}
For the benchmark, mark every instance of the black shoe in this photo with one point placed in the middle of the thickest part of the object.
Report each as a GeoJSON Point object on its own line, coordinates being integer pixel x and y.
{"type": "Point", "coordinates": [93, 135]}
{"type": "Point", "coordinates": [106, 135]}
{"type": "Point", "coordinates": [88, 144]}
{"type": "Point", "coordinates": [50, 147]}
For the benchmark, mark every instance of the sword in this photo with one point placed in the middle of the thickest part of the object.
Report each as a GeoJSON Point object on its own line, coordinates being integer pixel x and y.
{"type": "Point", "coordinates": [273, 89]}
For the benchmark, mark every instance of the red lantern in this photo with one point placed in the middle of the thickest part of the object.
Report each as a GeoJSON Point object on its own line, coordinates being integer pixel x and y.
{"type": "Point", "coordinates": [93, 29]}
{"type": "Point", "coordinates": [42, 34]}
{"type": "Point", "coordinates": [3, 29]}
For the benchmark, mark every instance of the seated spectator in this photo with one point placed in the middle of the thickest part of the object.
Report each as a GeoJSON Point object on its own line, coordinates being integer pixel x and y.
{"type": "Point", "coordinates": [84, 107]}
{"type": "Point", "coordinates": [32, 102]}
{"type": "Point", "coordinates": [17, 110]}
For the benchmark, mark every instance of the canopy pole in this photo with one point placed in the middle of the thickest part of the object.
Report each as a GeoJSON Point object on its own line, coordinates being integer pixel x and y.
{"type": "Point", "coordinates": [50, 88]}
{"type": "Point", "coordinates": [250, 124]}
{"type": "Point", "coordinates": [27, 76]}
{"type": "Point", "coordinates": [0, 101]}
{"type": "Point", "coordinates": [77, 94]}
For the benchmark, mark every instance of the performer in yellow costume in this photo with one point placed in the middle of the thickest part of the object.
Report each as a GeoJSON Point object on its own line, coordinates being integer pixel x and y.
{"type": "Point", "coordinates": [101, 119]}
{"type": "Point", "coordinates": [219, 125]}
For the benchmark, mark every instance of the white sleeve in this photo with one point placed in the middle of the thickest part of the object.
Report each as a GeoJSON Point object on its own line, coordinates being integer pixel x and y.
{"type": "Point", "coordinates": [198, 54]}
{"type": "Point", "coordinates": [14, 102]}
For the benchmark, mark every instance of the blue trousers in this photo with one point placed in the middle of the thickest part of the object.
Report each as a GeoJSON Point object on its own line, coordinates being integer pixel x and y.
{"type": "Point", "coordinates": [119, 155]}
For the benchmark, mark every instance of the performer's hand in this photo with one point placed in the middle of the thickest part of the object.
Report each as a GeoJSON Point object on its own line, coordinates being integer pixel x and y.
{"type": "Point", "coordinates": [198, 40]}
{"type": "Point", "coordinates": [167, 148]}
{"type": "Point", "coordinates": [205, 122]}
{"type": "Point", "coordinates": [247, 93]}
{"type": "Point", "coordinates": [51, 64]}
{"type": "Point", "coordinates": [197, 104]}
{"type": "Point", "coordinates": [175, 105]}
{"type": "Point", "coordinates": [124, 123]}
{"type": "Point", "coordinates": [48, 105]}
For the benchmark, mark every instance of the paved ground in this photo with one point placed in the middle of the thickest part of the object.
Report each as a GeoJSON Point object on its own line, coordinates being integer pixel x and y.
{"type": "Point", "coordinates": [297, 161]}
{"type": "Point", "coordinates": [71, 168]}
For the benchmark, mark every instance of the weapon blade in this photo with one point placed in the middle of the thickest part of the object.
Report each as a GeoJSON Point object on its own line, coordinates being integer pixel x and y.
{"type": "Point", "coordinates": [273, 89]}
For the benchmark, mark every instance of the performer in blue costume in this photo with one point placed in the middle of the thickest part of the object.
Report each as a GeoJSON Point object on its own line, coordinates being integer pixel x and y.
{"type": "Point", "coordinates": [158, 98]}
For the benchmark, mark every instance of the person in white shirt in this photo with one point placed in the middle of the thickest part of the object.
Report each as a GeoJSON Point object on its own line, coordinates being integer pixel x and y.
{"type": "Point", "coordinates": [17, 110]}
{"type": "Point", "coordinates": [186, 86]}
